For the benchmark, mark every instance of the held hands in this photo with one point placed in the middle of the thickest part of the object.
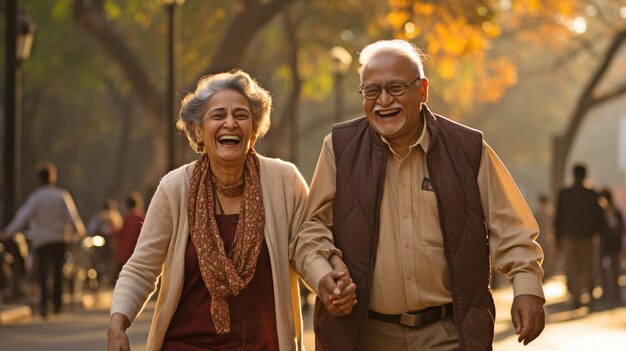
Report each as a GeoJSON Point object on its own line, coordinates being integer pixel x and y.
{"type": "Point", "coordinates": [117, 340]}
{"type": "Point", "coordinates": [528, 317]}
{"type": "Point", "coordinates": [336, 289]}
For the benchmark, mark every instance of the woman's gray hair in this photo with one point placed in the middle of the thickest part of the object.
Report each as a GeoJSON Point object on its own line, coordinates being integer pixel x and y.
{"type": "Point", "coordinates": [194, 105]}
{"type": "Point", "coordinates": [395, 46]}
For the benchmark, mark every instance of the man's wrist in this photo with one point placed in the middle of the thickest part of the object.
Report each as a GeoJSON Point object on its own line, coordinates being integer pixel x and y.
{"type": "Point", "coordinates": [316, 270]}
{"type": "Point", "coordinates": [527, 284]}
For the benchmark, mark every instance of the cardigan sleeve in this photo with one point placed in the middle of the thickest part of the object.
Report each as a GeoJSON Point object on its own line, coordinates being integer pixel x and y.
{"type": "Point", "coordinates": [300, 193]}
{"type": "Point", "coordinates": [139, 276]}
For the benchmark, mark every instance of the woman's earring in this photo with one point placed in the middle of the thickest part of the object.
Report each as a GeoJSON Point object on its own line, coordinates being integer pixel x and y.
{"type": "Point", "coordinates": [200, 146]}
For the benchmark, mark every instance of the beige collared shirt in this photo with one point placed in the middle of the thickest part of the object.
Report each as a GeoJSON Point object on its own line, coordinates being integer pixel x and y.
{"type": "Point", "coordinates": [411, 272]}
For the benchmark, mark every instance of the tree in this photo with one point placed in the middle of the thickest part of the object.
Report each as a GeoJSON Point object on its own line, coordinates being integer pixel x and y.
{"type": "Point", "coordinates": [591, 96]}
{"type": "Point", "coordinates": [84, 91]}
{"type": "Point", "coordinates": [91, 16]}
{"type": "Point", "coordinates": [461, 36]}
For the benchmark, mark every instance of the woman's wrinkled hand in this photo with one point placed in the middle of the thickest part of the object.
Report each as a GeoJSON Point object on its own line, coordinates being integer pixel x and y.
{"type": "Point", "coordinates": [117, 340]}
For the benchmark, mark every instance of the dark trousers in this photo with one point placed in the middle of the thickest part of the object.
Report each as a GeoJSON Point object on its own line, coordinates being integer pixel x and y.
{"type": "Point", "coordinates": [53, 256]}
{"type": "Point", "coordinates": [610, 276]}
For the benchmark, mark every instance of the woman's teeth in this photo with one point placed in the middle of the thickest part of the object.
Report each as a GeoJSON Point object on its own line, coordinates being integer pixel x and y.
{"type": "Point", "coordinates": [229, 139]}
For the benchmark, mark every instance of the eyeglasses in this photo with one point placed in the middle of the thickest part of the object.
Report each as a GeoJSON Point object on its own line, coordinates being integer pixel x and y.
{"type": "Point", "coordinates": [372, 91]}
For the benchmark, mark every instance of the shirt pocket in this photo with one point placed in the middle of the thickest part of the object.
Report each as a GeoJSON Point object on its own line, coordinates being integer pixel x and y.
{"type": "Point", "coordinates": [429, 229]}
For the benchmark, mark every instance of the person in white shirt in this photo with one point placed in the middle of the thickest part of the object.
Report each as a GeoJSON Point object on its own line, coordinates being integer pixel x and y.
{"type": "Point", "coordinates": [52, 218]}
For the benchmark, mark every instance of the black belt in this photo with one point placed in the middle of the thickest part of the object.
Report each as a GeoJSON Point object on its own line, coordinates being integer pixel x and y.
{"type": "Point", "coordinates": [415, 318]}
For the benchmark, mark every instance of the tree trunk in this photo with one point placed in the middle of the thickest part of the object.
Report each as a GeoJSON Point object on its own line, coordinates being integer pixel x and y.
{"type": "Point", "coordinates": [562, 144]}
{"type": "Point", "coordinates": [124, 104]}
{"type": "Point", "coordinates": [90, 17]}
{"type": "Point", "coordinates": [290, 111]}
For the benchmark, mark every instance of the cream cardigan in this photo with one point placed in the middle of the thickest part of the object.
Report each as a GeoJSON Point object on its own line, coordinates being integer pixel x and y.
{"type": "Point", "coordinates": [160, 251]}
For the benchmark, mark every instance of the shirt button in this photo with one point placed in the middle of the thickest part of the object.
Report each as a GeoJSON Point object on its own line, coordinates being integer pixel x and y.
{"type": "Point", "coordinates": [405, 215]}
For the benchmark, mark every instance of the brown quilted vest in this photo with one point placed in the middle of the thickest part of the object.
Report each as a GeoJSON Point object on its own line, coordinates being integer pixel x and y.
{"type": "Point", "coordinates": [453, 160]}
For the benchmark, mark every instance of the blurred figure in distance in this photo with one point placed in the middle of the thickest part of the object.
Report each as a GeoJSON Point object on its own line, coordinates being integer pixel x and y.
{"type": "Point", "coordinates": [578, 219]}
{"type": "Point", "coordinates": [127, 236]}
{"type": "Point", "coordinates": [610, 247]}
{"type": "Point", "coordinates": [52, 218]}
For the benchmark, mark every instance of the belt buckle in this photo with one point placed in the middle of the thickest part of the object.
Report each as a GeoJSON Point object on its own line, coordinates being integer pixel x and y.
{"type": "Point", "coordinates": [410, 320]}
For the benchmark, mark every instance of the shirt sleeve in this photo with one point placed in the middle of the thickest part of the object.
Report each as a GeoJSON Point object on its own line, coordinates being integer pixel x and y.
{"type": "Point", "coordinates": [512, 227]}
{"type": "Point", "coordinates": [73, 215]}
{"type": "Point", "coordinates": [314, 244]}
{"type": "Point", "coordinates": [21, 218]}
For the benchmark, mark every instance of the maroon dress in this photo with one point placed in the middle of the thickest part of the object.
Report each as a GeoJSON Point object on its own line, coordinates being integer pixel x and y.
{"type": "Point", "coordinates": [252, 312]}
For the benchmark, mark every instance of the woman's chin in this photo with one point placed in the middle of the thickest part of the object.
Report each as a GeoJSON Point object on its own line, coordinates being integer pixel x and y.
{"type": "Point", "coordinates": [230, 156]}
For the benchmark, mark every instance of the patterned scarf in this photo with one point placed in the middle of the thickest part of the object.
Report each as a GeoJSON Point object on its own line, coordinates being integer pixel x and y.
{"type": "Point", "coordinates": [225, 273]}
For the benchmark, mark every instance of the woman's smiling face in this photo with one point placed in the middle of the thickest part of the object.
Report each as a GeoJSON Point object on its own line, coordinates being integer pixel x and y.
{"type": "Point", "coordinates": [227, 128]}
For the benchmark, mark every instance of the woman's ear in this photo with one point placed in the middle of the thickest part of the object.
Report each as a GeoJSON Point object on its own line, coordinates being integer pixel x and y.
{"type": "Point", "coordinates": [197, 132]}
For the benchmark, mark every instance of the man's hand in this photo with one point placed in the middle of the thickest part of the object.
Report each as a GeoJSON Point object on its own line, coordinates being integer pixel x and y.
{"type": "Point", "coordinates": [528, 317]}
{"type": "Point", "coordinates": [336, 289]}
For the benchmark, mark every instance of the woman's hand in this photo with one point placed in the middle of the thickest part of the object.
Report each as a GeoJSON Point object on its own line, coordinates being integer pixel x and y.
{"type": "Point", "coordinates": [337, 291]}
{"type": "Point", "coordinates": [117, 340]}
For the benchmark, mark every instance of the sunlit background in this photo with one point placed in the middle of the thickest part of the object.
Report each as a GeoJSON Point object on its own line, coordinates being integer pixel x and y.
{"type": "Point", "coordinates": [94, 91]}
{"type": "Point", "coordinates": [545, 80]}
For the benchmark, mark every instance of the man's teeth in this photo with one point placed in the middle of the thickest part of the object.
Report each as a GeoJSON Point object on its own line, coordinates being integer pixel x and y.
{"type": "Point", "coordinates": [229, 138]}
{"type": "Point", "coordinates": [388, 112]}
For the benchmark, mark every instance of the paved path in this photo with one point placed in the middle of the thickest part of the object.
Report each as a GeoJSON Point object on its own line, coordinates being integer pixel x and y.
{"type": "Point", "coordinates": [82, 328]}
{"type": "Point", "coordinates": [602, 328]}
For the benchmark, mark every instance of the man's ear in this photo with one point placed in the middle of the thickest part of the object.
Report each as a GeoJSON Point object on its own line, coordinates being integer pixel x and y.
{"type": "Point", "coordinates": [424, 89]}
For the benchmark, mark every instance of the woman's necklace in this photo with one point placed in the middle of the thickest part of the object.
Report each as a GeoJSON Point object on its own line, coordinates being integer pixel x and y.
{"type": "Point", "coordinates": [233, 190]}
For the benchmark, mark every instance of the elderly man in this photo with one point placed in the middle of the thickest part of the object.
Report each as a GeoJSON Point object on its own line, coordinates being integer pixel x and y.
{"type": "Point", "coordinates": [419, 207]}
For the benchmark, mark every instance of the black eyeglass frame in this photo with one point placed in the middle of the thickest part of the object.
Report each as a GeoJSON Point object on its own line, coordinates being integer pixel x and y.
{"type": "Point", "coordinates": [386, 87]}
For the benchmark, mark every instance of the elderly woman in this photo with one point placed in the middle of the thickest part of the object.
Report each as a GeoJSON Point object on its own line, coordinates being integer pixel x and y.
{"type": "Point", "coordinates": [217, 233]}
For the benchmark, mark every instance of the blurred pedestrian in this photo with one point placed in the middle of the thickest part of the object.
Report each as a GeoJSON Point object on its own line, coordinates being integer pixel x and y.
{"type": "Point", "coordinates": [217, 233]}
{"type": "Point", "coordinates": [52, 218]}
{"type": "Point", "coordinates": [544, 215]}
{"type": "Point", "coordinates": [420, 207]}
{"type": "Point", "coordinates": [578, 219]}
{"type": "Point", "coordinates": [127, 236]}
{"type": "Point", "coordinates": [106, 223]}
{"type": "Point", "coordinates": [610, 247]}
